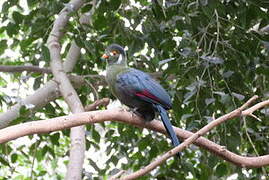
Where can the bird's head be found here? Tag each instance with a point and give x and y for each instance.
(115, 54)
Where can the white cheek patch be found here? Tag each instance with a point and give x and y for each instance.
(120, 59)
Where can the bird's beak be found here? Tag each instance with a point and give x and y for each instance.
(104, 57)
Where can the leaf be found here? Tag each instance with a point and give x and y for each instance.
(219, 93)
(188, 96)
(240, 97)
(26, 42)
(209, 101)
(45, 53)
(95, 135)
(266, 45)
(55, 138)
(12, 29)
(45, 150)
(225, 98)
(265, 111)
(209, 118)
(186, 116)
(221, 170)
(93, 164)
(143, 144)
(185, 52)
(14, 157)
(31, 3)
(213, 60)
(114, 160)
(227, 74)
(3, 161)
(3, 46)
(5, 7)
(39, 155)
(79, 42)
(204, 2)
(24, 110)
(17, 17)
(37, 82)
(166, 61)
(114, 5)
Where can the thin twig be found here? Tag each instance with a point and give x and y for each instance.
(95, 93)
(93, 106)
(117, 175)
(260, 105)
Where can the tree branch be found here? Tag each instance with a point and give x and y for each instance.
(64, 122)
(77, 136)
(6, 68)
(93, 106)
(190, 140)
(49, 91)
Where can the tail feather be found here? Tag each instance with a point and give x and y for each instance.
(168, 125)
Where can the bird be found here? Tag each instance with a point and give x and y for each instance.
(137, 89)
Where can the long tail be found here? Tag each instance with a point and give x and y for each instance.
(168, 126)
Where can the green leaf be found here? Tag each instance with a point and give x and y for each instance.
(37, 82)
(95, 135)
(143, 143)
(5, 7)
(39, 155)
(45, 54)
(31, 3)
(3, 161)
(12, 29)
(25, 43)
(18, 17)
(221, 170)
(14, 157)
(3, 46)
(24, 110)
(55, 138)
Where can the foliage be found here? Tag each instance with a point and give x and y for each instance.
(214, 51)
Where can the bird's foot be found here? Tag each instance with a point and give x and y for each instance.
(124, 109)
(135, 112)
(147, 116)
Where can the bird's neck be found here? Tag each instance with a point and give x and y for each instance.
(112, 71)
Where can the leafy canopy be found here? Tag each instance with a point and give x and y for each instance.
(215, 58)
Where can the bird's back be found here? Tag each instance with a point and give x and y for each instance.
(137, 83)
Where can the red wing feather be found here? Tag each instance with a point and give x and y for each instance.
(147, 94)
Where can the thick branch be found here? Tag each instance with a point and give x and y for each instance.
(24, 68)
(64, 122)
(77, 135)
(40, 98)
(47, 93)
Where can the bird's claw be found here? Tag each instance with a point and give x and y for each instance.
(134, 112)
(124, 109)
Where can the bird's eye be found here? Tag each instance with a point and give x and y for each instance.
(114, 53)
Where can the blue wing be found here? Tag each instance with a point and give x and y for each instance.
(133, 84)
